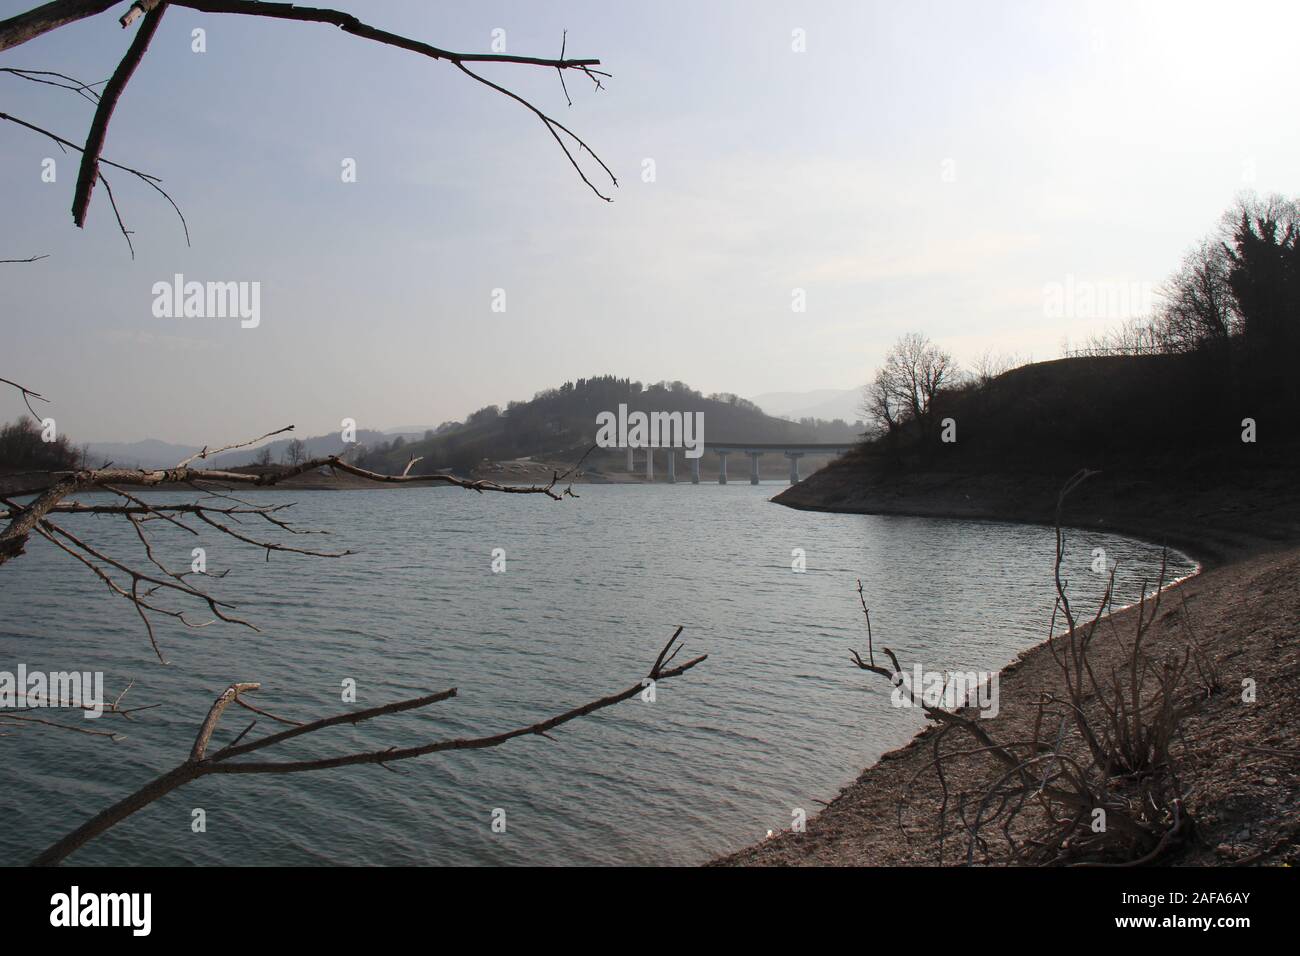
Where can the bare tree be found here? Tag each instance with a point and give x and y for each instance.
(1133, 336)
(882, 405)
(295, 453)
(904, 389)
(992, 364)
(1199, 308)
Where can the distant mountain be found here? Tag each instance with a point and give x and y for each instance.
(558, 423)
(824, 403)
(317, 447)
(410, 431)
(150, 453)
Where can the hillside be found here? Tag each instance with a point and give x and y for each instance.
(557, 426)
(316, 446)
(560, 425)
(1166, 441)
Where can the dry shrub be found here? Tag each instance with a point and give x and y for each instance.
(1096, 781)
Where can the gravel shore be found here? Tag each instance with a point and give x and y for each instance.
(1238, 759)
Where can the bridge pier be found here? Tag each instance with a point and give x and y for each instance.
(794, 457)
(672, 466)
(649, 464)
(792, 450)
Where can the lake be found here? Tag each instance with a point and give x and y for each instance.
(776, 719)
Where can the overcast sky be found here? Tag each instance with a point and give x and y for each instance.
(919, 166)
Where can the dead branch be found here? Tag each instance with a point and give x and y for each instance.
(27, 394)
(51, 78)
(19, 29)
(153, 182)
(50, 16)
(224, 761)
(23, 716)
(350, 24)
(1102, 752)
(142, 588)
(205, 453)
(555, 128)
(89, 171)
(138, 9)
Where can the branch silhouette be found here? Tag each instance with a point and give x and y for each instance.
(225, 761)
(216, 508)
(26, 26)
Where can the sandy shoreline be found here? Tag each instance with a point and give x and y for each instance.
(1245, 604)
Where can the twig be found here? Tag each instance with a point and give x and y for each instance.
(201, 763)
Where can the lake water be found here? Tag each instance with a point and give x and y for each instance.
(777, 718)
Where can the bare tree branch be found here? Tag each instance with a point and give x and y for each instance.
(138, 9)
(50, 16)
(89, 171)
(151, 181)
(144, 589)
(22, 28)
(85, 90)
(223, 761)
(555, 128)
(205, 453)
(27, 393)
(350, 24)
(22, 716)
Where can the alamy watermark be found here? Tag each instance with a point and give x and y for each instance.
(947, 689)
(75, 908)
(651, 430)
(208, 300)
(81, 690)
(1083, 299)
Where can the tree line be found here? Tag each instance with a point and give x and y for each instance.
(1238, 287)
(1232, 308)
(23, 448)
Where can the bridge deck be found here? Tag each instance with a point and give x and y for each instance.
(778, 446)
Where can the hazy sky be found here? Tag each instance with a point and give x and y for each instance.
(927, 166)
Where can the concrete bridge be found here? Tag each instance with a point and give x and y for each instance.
(755, 450)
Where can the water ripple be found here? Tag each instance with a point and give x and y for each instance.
(776, 719)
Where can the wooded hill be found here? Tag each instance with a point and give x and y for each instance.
(560, 425)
